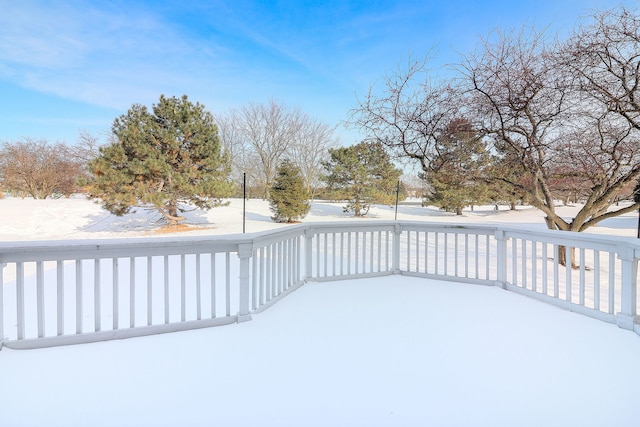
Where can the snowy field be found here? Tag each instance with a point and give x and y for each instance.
(390, 351)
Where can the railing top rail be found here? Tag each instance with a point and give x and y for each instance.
(52, 250)
(144, 246)
(569, 238)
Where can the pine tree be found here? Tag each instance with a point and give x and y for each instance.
(163, 158)
(506, 176)
(455, 172)
(361, 174)
(289, 196)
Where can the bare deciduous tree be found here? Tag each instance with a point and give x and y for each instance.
(243, 160)
(527, 99)
(310, 150)
(410, 113)
(519, 103)
(38, 169)
(85, 149)
(270, 130)
(259, 137)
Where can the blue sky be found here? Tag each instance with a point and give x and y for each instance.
(67, 66)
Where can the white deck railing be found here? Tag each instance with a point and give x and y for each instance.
(67, 292)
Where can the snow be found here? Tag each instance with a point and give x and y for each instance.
(390, 351)
(78, 218)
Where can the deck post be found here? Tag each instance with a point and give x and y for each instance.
(628, 294)
(397, 233)
(308, 253)
(245, 251)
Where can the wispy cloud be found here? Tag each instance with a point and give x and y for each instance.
(105, 56)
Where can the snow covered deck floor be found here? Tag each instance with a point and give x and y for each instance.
(389, 351)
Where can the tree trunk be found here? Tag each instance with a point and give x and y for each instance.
(170, 213)
(562, 256)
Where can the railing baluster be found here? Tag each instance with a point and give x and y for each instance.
(79, 308)
(59, 295)
(487, 255)
(40, 297)
(284, 265)
(213, 284)
(349, 252)
(523, 262)
(228, 282)
(295, 254)
(183, 289)
(318, 269)
(456, 254)
(325, 254)
(371, 246)
(446, 253)
(97, 294)
(582, 276)
(263, 274)
(439, 242)
(501, 257)
(334, 254)
(466, 254)
(149, 290)
(281, 266)
(556, 271)
(20, 299)
(357, 234)
(166, 289)
(612, 282)
(408, 266)
(426, 252)
(545, 279)
(198, 288)
(254, 280)
(514, 261)
(132, 292)
(341, 253)
(596, 280)
(116, 290)
(268, 273)
(534, 266)
(567, 269)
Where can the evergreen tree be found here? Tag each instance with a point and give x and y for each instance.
(456, 170)
(361, 174)
(289, 196)
(506, 177)
(163, 158)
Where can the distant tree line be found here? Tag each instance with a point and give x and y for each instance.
(174, 156)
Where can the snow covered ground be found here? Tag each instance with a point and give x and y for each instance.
(391, 351)
(78, 218)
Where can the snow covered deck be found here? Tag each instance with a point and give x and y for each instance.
(349, 338)
(386, 351)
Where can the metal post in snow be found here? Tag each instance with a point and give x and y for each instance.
(636, 198)
(244, 201)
